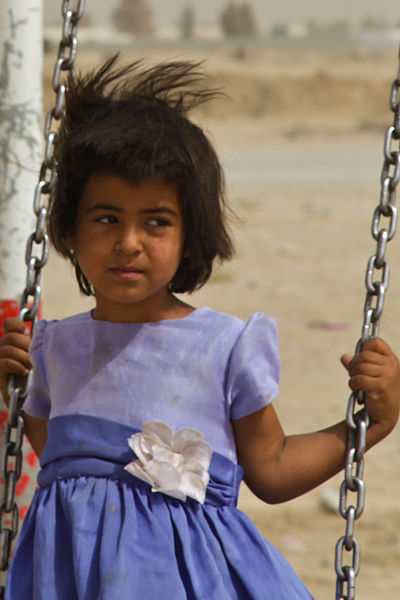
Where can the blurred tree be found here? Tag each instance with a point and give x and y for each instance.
(229, 19)
(187, 23)
(238, 20)
(371, 23)
(339, 27)
(313, 27)
(279, 30)
(133, 16)
(247, 19)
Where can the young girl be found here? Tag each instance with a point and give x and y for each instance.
(146, 411)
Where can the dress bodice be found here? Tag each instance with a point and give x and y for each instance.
(199, 371)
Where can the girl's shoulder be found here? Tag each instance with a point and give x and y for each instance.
(44, 328)
(257, 321)
(236, 332)
(210, 322)
(210, 317)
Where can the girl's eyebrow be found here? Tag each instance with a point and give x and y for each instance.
(103, 207)
(156, 209)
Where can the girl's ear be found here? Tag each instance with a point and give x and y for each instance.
(69, 242)
(185, 253)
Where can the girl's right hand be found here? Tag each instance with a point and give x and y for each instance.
(14, 356)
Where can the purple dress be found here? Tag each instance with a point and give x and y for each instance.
(94, 531)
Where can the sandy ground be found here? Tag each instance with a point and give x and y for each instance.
(301, 143)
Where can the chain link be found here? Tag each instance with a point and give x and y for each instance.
(36, 255)
(358, 422)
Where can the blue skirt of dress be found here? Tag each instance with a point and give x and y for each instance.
(95, 532)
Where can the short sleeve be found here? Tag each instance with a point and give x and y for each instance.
(254, 367)
(37, 403)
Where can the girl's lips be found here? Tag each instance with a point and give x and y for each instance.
(126, 273)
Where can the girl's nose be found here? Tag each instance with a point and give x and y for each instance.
(129, 241)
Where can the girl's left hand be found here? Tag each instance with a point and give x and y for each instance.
(376, 371)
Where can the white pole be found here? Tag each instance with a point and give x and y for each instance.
(21, 49)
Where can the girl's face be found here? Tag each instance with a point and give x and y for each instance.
(129, 242)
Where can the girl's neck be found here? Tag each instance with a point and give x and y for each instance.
(144, 312)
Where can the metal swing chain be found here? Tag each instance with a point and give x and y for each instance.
(35, 258)
(358, 421)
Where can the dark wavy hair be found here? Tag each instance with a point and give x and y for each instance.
(132, 122)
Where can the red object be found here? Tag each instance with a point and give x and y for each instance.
(3, 419)
(10, 308)
(32, 459)
(26, 484)
(21, 484)
(22, 511)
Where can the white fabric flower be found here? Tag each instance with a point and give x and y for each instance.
(175, 464)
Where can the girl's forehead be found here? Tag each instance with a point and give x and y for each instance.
(114, 189)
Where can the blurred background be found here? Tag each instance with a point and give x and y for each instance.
(214, 18)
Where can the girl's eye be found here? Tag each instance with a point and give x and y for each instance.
(107, 219)
(157, 222)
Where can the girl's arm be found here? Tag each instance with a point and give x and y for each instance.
(14, 359)
(279, 467)
(35, 429)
